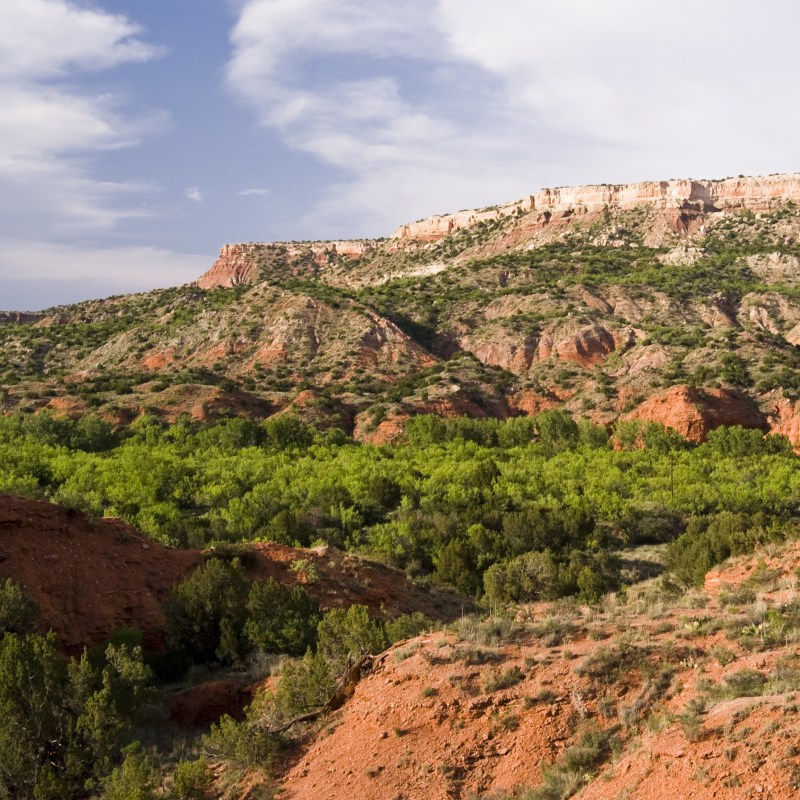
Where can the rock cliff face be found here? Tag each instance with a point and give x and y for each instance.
(680, 202)
(238, 263)
(439, 226)
(694, 412)
(234, 266)
(755, 193)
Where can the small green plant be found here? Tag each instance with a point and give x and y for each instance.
(18, 612)
(691, 721)
(723, 655)
(495, 680)
(192, 780)
(305, 570)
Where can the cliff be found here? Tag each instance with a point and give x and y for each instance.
(238, 263)
(681, 200)
(756, 193)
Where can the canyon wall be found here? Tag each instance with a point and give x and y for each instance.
(757, 193)
(237, 262)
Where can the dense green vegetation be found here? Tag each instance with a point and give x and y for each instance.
(65, 723)
(72, 729)
(521, 509)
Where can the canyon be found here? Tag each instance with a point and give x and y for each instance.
(600, 299)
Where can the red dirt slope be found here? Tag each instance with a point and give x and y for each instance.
(92, 577)
(88, 577)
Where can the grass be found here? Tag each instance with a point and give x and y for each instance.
(495, 680)
(576, 767)
(609, 663)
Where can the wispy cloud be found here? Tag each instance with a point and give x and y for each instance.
(252, 193)
(193, 193)
(49, 124)
(430, 106)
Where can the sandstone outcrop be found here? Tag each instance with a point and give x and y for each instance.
(786, 420)
(239, 263)
(694, 412)
(438, 226)
(757, 193)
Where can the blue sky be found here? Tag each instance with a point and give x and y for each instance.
(138, 136)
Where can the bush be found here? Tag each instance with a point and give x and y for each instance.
(241, 743)
(494, 680)
(610, 663)
(304, 685)
(192, 780)
(205, 614)
(18, 612)
(408, 626)
(135, 779)
(283, 619)
(532, 576)
(346, 635)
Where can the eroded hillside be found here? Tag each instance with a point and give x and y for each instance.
(598, 299)
(697, 692)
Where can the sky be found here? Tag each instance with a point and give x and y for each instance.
(139, 136)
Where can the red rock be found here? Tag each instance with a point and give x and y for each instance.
(694, 412)
(682, 197)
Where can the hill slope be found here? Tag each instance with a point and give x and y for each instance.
(619, 702)
(595, 298)
(92, 577)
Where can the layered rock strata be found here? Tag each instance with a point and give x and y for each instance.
(757, 193)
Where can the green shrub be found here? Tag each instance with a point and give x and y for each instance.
(494, 680)
(304, 685)
(408, 626)
(206, 613)
(610, 663)
(135, 779)
(346, 634)
(192, 780)
(18, 612)
(282, 619)
(242, 743)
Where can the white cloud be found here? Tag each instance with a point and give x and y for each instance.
(431, 106)
(49, 125)
(194, 194)
(88, 271)
(46, 38)
(253, 193)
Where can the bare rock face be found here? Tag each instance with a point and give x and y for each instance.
(234, 267)
(757, 193)
(504, 349)
(694, 412)
(530, 403)
(238, 263)
(771, 312)
(717, 313)
(786, 420)
(775, 267)
(591, 345)
(441, 225)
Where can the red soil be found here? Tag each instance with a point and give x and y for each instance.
(92, 577)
